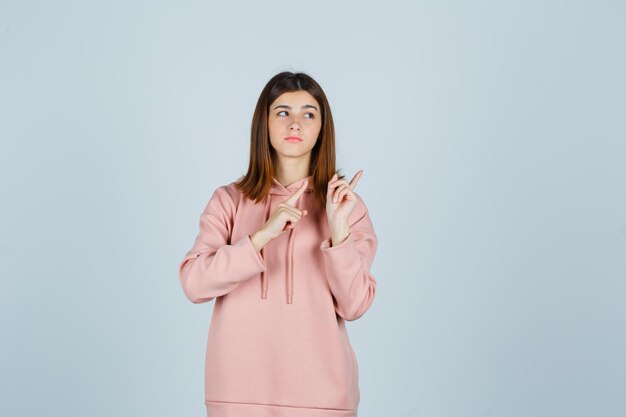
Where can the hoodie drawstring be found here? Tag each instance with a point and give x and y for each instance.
(263, 277)
(292, 234)
(290, 244)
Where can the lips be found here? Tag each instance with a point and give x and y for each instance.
(293, 139)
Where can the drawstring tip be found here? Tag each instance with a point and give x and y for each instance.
(264, 294)
(289, 299)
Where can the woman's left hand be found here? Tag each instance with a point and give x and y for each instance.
(340, 202)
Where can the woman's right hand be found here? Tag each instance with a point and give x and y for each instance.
(284, 218)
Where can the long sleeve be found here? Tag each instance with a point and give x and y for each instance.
(348, 265)
(214, 267)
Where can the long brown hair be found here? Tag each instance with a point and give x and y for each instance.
(257, 182)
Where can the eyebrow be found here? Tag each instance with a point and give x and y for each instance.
(306, 106)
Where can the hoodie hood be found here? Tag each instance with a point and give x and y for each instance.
(281, 192)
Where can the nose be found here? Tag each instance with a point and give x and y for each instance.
(294, 126)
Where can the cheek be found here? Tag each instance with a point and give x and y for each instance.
(317, 129)
(276, 125)
(274, 129)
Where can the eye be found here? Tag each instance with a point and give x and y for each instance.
(312, 116)
(284, 111)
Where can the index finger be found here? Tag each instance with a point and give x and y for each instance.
(355, 179)
(294, 197)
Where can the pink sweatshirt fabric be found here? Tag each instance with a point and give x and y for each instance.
(278, 344)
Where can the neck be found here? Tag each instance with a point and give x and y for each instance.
(289, 172)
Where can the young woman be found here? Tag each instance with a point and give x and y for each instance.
(285, 251)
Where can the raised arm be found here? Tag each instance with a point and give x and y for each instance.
(348, 265)
(214, 266)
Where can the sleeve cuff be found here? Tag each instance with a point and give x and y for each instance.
(325, 246)
(246, 242)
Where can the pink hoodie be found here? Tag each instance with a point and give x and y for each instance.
(278, 344)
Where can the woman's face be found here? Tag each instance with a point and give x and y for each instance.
(294, 115)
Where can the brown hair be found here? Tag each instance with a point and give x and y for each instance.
(257, 182)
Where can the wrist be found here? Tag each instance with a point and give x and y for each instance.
(338, 234)
(339, 228)
(259, 240)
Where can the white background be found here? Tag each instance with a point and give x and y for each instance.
(492, 139)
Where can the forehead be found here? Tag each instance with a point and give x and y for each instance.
(295, 99)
